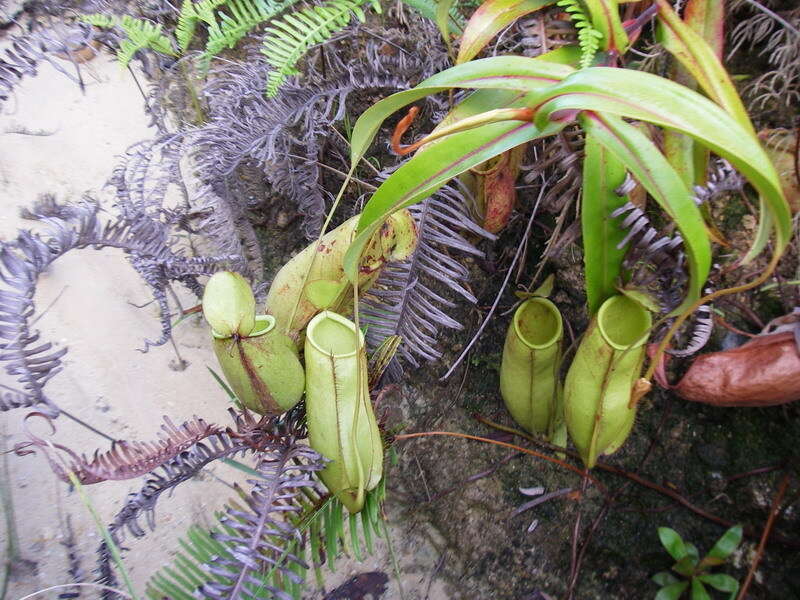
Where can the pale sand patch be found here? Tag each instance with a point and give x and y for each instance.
(106, 381)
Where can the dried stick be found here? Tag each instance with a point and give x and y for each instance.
(774, 510)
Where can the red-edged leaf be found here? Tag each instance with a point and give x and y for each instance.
(490, 19)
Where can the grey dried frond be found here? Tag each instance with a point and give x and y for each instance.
(261, 534)
(73, 560)
(125, 460)
(406, 300)
(25, 52)
(289, 136)
(536, 34)
(781, 84)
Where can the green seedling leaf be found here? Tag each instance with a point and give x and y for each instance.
(721, 583)
(685, 566)
(726, 544)
(672, 591)
(603, 173)
(491, 18)
(672, 542)
(664, 578)
(694, 553)
(699, 591)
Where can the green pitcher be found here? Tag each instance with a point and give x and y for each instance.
(260, 363)
(597, 390)
(341, 423)
(529, 370)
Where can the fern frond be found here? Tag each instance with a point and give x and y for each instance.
(588, 37)
(291, 37)
(252, 554)
(404, 300)
(226, 28)
(140, 34)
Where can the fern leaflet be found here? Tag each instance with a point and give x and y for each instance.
(588, 37)
(225, 29)
(140, 34)
(292, 36)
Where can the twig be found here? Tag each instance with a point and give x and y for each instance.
(466, 436)
(792, 543)
(774, 510)
(500, 292)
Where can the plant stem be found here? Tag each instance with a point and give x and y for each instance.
(773, 513)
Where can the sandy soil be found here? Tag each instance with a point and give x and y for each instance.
(89, 297)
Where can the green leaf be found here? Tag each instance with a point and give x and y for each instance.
(672, 591)
(602, 174)
(221, 382)
(672, 542)
(707, 19)
(726, 544)
(693, 552)
(443, 8)
(647, 97)
(516, 73)
(429, 170)
(606, 20)
(699, 591)
(685, 566)
(353, 522)
(700, 59)
(490, 19)
(722, 583)
(651, 169)
(664, 578)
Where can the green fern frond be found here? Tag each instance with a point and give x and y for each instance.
(236, 20)
(588, 37)
(289, 38)
(102, 21)
(140, 34)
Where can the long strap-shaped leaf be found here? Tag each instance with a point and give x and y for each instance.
(603, 172)
(491, 18)
(647, 97)
(700, 59)
(427, 171)
(502, 72)
(642, 158)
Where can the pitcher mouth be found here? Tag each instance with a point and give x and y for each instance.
(331, 333)
(624, 323)
(538, 323)
(264, 324)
